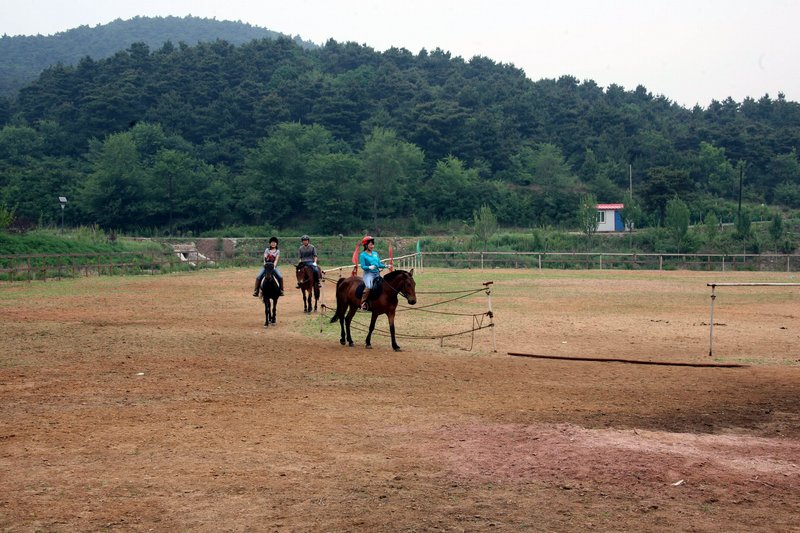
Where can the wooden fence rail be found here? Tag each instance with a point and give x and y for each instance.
(29, 267)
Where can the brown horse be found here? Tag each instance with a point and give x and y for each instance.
(307, 285)
(348, 300)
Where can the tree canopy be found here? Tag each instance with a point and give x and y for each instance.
(341, 137)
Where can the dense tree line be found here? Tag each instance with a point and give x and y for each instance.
(24, 57)
(342, 137)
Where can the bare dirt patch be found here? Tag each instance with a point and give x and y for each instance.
(160, 403)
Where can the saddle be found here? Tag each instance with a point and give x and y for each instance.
(269, 279)
(377, 289)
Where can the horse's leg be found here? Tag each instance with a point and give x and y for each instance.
(316, 297)
(274, 310)
(342, 340)
(371, 327)
(341, 307)
(390, 317)
(266, 311)
(351, 312)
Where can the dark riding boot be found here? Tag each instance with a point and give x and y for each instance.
(364, 297)
(258, 287)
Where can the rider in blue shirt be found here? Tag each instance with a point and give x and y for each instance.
(370, 263)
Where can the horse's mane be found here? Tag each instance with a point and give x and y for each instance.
(393, 274)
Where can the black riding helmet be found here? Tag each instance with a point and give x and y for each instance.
(275, 240)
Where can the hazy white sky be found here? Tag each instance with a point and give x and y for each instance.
(691, 51)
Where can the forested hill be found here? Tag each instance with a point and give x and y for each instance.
(23, 58)
(343, 137)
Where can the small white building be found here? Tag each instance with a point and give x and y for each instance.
(610, 217)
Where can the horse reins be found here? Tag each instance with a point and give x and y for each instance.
(401, 293)
(306, 278)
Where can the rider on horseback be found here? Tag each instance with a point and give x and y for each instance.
(370, 263)
(308, 255)
(271, 255)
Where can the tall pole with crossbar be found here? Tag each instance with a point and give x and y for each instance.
(488, 285)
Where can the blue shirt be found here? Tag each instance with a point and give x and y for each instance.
(365, 259)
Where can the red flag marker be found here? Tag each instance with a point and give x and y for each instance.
(355, 261)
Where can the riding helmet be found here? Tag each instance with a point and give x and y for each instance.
(366, 239)
(274, 239)
(304, 238)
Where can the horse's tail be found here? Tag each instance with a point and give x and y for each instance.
(339, 313)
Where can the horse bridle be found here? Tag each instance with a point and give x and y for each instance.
(269, 274)
(306, 279)
(401, 293)
(269, 271)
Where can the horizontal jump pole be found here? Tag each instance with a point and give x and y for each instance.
(752, 284)
(628, 361)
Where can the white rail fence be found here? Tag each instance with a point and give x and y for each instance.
(614, 261)
(27, 267)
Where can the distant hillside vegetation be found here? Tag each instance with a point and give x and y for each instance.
(338, 138)
(23, 58)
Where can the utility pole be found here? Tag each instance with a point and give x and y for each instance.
(630, 180)
(739, 222)
(741, 176)
(63, 201)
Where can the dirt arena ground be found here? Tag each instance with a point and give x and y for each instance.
(159, 403)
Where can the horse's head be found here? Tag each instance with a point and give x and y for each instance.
(269, 268)
(403, 282)
(304, 273)
(410, 289)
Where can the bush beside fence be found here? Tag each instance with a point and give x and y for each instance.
(47, 266)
